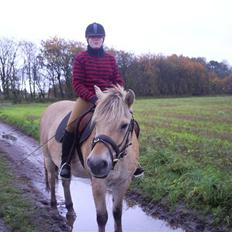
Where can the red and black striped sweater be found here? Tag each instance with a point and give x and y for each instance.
(94, 70)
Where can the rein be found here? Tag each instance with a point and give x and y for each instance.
(120, 149)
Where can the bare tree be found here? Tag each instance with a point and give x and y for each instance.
(58, 55)
(31, 67)
(51, 52)
(40, 78)
(8, 68)
(69, 50)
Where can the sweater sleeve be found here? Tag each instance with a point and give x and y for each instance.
(117, 76)
(78, 81)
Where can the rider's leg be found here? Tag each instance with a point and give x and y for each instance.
(79, 108)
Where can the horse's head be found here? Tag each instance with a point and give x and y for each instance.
(114, 125)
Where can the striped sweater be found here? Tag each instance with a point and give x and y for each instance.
(94, 70)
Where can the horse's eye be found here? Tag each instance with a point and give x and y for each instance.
(124, 126)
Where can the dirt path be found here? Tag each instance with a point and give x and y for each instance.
(29, 179)
(3, 227)
(28, 167)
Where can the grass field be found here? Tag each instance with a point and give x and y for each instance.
(186, 150)
(15, 209)
(23, 116)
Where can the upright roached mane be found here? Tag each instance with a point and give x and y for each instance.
(111, 105)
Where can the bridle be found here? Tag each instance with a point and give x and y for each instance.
(120, 149)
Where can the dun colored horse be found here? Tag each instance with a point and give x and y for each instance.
(110, 153)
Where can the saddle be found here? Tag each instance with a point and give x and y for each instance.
(82, 126)
(83, 129)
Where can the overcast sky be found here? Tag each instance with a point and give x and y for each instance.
(193, 28)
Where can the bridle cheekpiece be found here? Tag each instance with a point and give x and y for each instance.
(120, 149)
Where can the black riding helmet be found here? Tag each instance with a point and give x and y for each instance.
(95, 29)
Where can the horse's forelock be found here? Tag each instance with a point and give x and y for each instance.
(111, 106)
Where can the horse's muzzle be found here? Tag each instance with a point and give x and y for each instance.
(99, 168)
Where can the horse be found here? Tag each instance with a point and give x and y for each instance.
(110, 153)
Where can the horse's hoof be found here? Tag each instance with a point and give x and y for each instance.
(71, 213)
(71, 217)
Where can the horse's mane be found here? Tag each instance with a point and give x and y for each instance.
(111, 106)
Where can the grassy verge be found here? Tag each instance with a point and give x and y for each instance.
(186, 147)
(14, 208)
(23, 116)
(21, 207)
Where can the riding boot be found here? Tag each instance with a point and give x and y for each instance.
(139, 171)
(67, 151)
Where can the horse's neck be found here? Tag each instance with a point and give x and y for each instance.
(86, 146)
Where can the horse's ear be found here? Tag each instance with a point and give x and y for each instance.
(98, 91)
(130, 97)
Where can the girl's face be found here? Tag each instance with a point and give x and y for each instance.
(95, 42)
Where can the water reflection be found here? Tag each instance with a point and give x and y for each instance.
(134, 219)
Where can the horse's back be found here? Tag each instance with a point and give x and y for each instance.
(52, 117)
(49, 122)
(57, 110)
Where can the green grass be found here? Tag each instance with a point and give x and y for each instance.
(186, 147)
(14, 209)
(24, 116)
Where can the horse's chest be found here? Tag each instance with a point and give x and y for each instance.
(116, 178)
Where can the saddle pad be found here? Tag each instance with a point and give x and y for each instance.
(61, 128)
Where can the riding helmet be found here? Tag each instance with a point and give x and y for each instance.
(95, 29)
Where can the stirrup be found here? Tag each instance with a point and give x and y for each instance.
(65, 171)
(139, 172)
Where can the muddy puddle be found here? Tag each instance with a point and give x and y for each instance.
(134, 218)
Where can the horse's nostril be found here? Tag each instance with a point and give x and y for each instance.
(88, 161)
(100, 164)
(97, 166)
(104, 164)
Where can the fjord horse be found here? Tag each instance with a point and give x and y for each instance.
(110, 153)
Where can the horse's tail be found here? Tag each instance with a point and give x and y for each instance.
(46, 179)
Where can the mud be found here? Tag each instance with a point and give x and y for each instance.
(30, 181)
(3, 227)
(26, 160)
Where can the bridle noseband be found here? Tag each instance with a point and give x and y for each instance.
(120, 150)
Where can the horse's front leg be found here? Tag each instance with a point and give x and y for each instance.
(67, 195)
(99, 194)
(118, 194)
